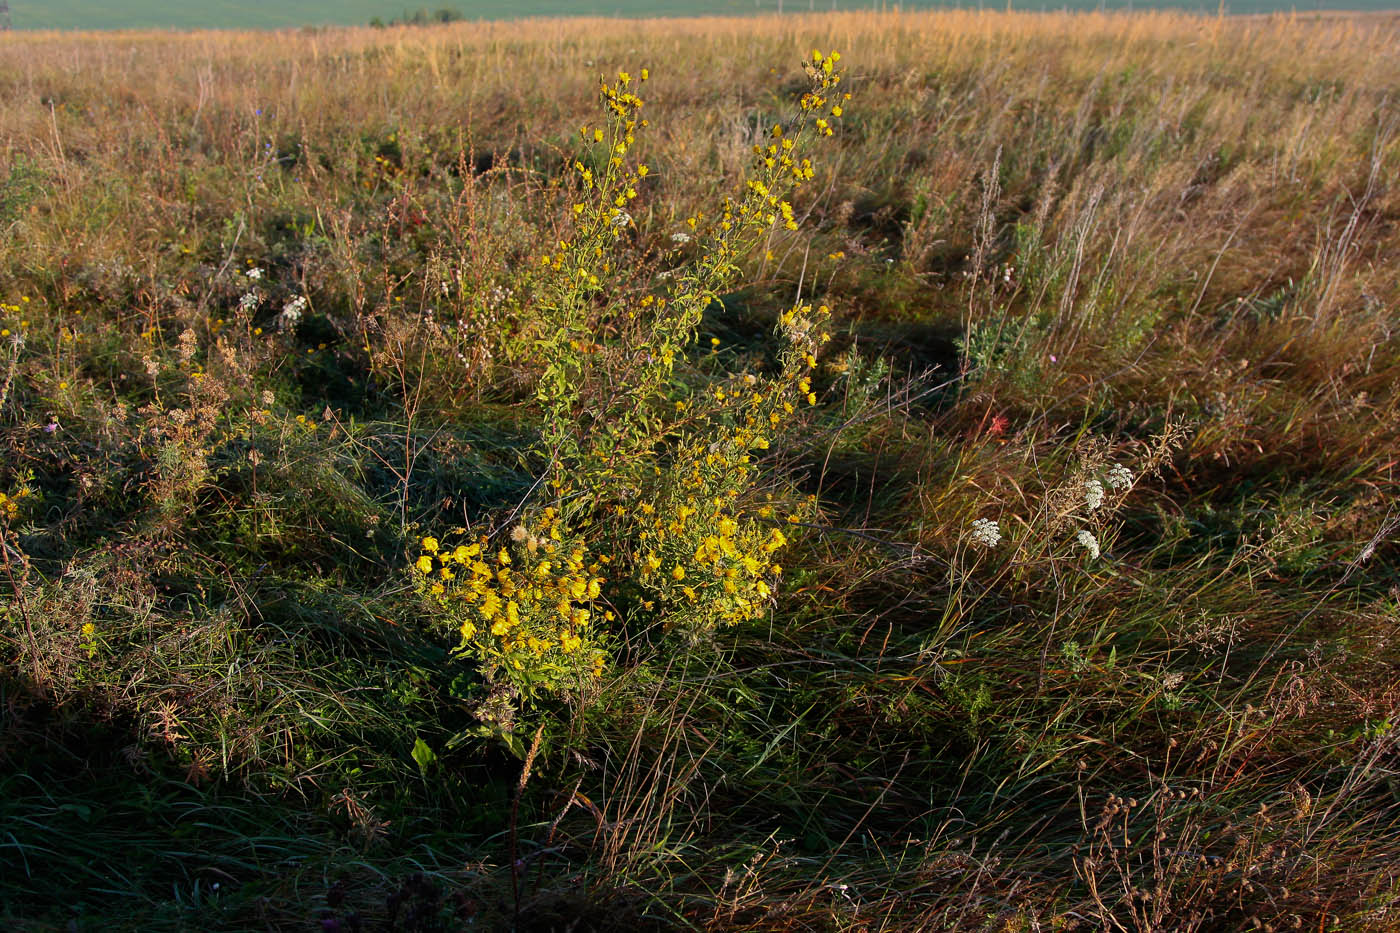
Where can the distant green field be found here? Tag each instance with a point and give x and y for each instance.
(273, 14)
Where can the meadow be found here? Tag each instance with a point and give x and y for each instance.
(650, 474)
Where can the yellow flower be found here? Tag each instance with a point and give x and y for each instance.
(425, 564)
(678, 572)
(430, 545)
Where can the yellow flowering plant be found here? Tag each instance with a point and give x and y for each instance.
(662, 480)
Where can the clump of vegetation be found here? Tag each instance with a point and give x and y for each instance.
(641, 462)
(439, 496)
(422, 17)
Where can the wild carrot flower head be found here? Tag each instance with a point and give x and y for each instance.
(292, 311)
(1093, 494)
(985, 533)
(1119, 476)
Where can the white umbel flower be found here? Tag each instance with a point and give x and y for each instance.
(1119, 476)
(1093, 494)
(1090, 543)
(254, 273)
(985, 532)
(292, 311)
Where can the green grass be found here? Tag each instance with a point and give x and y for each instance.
(266, 14)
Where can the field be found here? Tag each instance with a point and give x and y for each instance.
(292, 14)
(439, 494)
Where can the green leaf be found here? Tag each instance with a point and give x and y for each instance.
(423, 755)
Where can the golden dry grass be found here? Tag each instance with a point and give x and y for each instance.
(1066, 241)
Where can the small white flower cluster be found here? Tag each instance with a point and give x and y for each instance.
(1119, 476)
(985, 532)
(1090, 543)
(292, 311)
(248, 302)
(254, 273)
(498, 296)
(680, 238)
(1093, 494)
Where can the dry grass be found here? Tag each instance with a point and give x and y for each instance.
(1064, 241)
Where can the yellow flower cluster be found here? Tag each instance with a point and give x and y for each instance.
(707, 544)
(10, 502)
(709, 560)
(527, 610)
(822, 70)
(619, 182)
